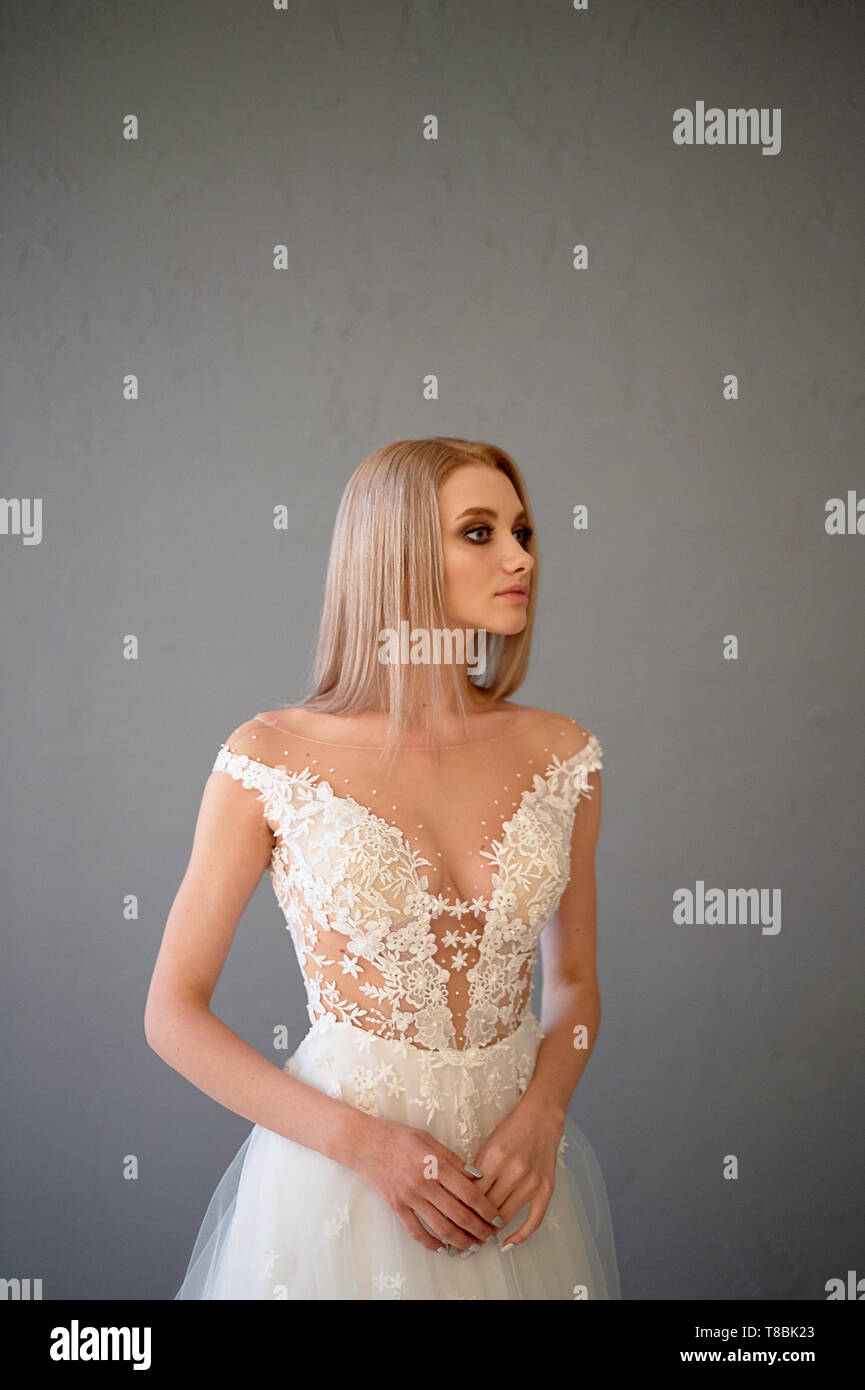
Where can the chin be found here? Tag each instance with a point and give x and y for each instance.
(498, 623)
(505, 625)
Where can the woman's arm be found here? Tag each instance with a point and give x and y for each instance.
(231, 849)
(570, 998)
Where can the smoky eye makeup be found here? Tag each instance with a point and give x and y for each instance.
(469, 533)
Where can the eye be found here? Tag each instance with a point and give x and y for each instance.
(524, 532)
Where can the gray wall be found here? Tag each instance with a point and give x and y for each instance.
(261, 388)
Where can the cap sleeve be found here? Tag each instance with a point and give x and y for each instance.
(579, 754)
(237, 757)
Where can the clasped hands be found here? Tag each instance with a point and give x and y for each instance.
(447, 1205)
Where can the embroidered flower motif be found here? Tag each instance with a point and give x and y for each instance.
(434, 1026)
(507, 903)
(431, 1097)
(494, 1084)
(351, 966)
(402, 1022)
(483, 1023)
(363, 1081)
(386, 1076)
(392, 1284)
(525, 1068)
(336, 1224)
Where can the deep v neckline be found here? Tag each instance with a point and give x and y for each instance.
(457, 907)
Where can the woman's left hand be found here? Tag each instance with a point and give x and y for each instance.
(518, 1164)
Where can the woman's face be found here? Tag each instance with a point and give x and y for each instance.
(487, 570)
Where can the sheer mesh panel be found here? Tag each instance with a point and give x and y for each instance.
(415, 899)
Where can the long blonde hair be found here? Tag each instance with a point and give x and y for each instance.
(386, 565)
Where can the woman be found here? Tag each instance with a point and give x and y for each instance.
(420, 831)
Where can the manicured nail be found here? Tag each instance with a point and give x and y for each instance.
(497, 1221)
(509, 1246)
(474, 1172)
(471, 1250)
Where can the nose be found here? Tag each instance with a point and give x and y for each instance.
(520, 559)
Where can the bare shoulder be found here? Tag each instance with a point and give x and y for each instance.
(562, 734)
(521, 716)
(295, 719)
(302, 721)
(558, 720)
(551, 717)
(245, 737)
(539, 723)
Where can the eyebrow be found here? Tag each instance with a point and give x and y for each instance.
(488, 511)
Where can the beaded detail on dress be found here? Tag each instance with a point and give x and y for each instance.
(377, 947)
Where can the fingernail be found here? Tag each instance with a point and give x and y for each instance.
(474, 1172)
(442, 1250)
(497, 1221)
(471, 1250)
(509, 1246)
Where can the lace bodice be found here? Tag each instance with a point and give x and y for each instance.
(415, 901)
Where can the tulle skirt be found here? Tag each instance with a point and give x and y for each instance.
(285, 1222)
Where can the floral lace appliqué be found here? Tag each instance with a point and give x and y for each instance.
(366, 929)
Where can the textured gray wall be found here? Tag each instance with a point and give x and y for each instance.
(261, 388)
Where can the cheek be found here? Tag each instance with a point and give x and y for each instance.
(463, 566)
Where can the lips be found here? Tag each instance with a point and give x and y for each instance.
(515, 590)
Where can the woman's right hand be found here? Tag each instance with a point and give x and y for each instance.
(420, 1177)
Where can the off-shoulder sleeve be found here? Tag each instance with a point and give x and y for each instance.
(271, 784)
(571, 768)
(591, 755)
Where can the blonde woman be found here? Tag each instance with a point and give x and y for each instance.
(423, 834)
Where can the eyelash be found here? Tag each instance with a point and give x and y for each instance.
(526, 531)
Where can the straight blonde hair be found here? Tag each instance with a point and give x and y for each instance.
(386, 565)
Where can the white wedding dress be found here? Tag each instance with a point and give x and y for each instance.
(415, 901)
